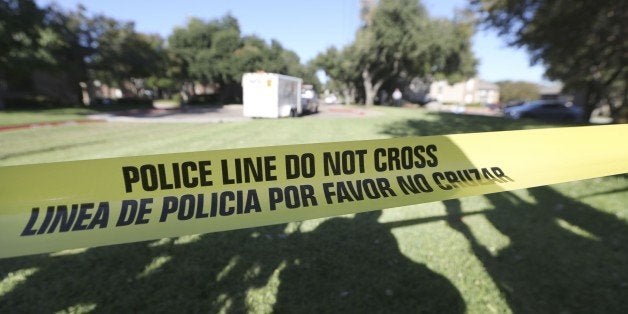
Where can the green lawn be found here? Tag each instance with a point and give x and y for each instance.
(16, 117)
(554, 249)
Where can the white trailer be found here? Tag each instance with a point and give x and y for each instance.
(270, 95)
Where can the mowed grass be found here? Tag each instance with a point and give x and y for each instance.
(17, 117)
(558, 248)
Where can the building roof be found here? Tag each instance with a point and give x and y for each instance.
(553, 89)
(486, 85)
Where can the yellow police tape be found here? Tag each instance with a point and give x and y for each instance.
(55, 206)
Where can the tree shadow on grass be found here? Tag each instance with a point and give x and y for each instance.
(345, 264)
(354, 265)
(564, 256)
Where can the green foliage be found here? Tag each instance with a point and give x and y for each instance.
(123, 53)
(77, 48)
(216, 52)
(342, 68)
(582, 43)
(517, 90)
(69, 47)
(20, 24)
(398, 42)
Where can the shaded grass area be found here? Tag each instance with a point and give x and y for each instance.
(42, 115)
(17, 117)
(549, 249)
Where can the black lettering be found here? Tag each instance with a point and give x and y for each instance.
(253, 169)
(307, 195)
(384, 187)
(370, 189)
(163, 178)
(292, 167)
(186, 168)
(419, 150)
(176, 172)
(393, 159)
(292, 197)
(431, 152)
(224, 198)
(275, 196)
(451, 177)
(437, 176)
(131, 175)
(308, 165)
(252, 202)
(128, 212)
(328, 192)
(28, 229)
(200, 200)
(49, 214)
(499, 173)
(169, 206)
(407, 157)
(149, 172)
(186, 207)
(225, 173)
(379, 155)
(331, 163)
(62, 219)
(270, 167)
(204, 172)
(356, 191)
(101, 218)
(82, 216)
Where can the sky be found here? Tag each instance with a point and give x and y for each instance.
(306, 27)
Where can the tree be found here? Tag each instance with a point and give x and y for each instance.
(399, 41)
(216, 52)
(20, 23)
(582, 43)
(343, 70)
(517, 90)
(124, 58)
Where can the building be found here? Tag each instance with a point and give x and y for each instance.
(471, 91)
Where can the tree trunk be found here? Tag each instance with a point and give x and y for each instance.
(369, 94)
(349, 95)
(591, 101)
(370, 88)
(3, 84)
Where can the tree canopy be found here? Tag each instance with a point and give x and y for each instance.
(67, 48)
(582, 43)
(517, 90)
(216, 52)
(398, 42)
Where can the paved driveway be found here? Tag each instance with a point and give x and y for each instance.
(218, 114)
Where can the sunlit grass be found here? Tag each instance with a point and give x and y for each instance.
(543, 250)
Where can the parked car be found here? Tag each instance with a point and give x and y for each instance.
(309, 99)
(331, 99)
(545, 110)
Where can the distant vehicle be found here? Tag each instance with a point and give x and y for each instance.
(545, 110)
(331, 99)
(270, 95)
(514, 103)
(309, 99)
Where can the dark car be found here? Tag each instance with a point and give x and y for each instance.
(545, 110)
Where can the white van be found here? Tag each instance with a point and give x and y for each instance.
(270, 95)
